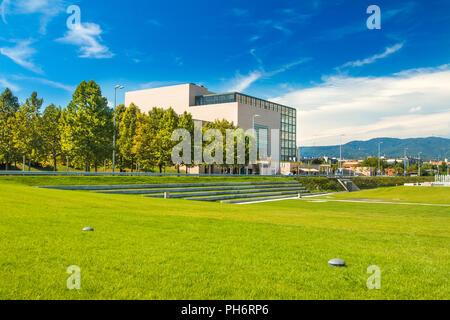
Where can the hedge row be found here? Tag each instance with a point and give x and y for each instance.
(320, 184)
(316, 184)
(380, 182)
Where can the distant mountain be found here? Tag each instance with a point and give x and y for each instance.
(431, 148)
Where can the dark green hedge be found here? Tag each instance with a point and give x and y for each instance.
(316, 184)
(320, 184)
(379, 182)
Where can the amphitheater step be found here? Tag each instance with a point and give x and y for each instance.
(228, 192)
(244, 196)
(175, 185)
(195, 189)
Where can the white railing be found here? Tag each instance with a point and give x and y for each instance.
(442, 178)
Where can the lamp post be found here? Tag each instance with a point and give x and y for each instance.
(114, 136)
(379, 158)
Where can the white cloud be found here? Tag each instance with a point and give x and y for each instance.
(388, 51)
(415, 109)
(4, 83)
(88, 37)
(368, 107)
(47, 82)
(47, 9)
(22, 54)
(242, 82)
(3, 9)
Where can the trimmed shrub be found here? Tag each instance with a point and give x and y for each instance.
(380, 182)
(320, 184)
(316, 184)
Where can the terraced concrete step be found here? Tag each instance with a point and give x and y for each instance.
(195, 189)
(239, 201)
(175, 185)
(219, 193)
(244, 196)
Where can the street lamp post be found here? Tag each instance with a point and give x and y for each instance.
(114, 135)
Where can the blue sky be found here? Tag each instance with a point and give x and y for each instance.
(318, 56)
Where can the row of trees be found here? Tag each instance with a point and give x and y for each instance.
(82, 133)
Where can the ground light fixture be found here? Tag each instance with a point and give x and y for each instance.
(336, 263)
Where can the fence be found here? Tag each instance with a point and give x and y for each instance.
(442, 178)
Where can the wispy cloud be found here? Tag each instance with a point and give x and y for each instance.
(3, 8)
(254, 38)
(239, 12)
(179, 61)
(339, 32)
(5, 83)
(157, 84)
(242, 82)
(88, 37)
(47, 9)
(369, 107)
(388, 51)
(22, 54)
(282, 28)
(46, 82)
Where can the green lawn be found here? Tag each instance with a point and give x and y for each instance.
(432, 195)
(145, 248)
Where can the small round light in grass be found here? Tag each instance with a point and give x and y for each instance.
(337, 263)
(88, 229)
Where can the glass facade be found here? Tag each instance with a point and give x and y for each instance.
(215, 99)
(288, 132)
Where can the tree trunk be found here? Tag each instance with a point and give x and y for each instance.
(160, 168)
(54, 164)
(29, 163)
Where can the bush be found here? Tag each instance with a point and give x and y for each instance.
(380, 182)
(319, 184)
(316, 184)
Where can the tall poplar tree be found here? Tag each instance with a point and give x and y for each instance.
(87, 126)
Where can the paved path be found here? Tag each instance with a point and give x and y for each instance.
(382, 202)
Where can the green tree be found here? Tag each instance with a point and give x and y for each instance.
(8, 107)
(87, 126)
(51, 133)
(162, 144)
(127, 131)
(186, 122)
(146, 130)
(27, 136)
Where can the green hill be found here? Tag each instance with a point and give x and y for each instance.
(431, 148)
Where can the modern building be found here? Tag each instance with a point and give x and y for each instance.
(243, 110)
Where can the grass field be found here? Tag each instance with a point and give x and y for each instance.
(145, 248)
